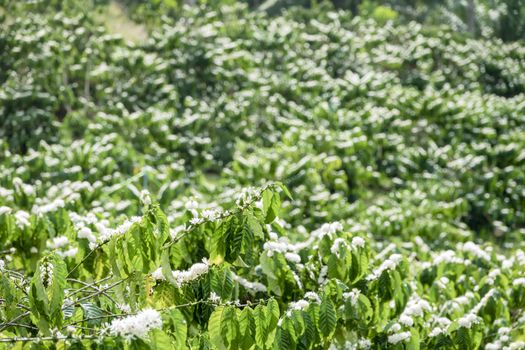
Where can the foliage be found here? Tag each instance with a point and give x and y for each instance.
(311, 180)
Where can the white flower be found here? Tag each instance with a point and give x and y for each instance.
(85, 232)
(468, 320)
(322, 275)
(252, 286)
(2, 265)
(50, 207)
(474, 249)
(312, 296)
(358, 242)
(398, 337)
(517, 345)
(191, 205)
(293, 257)
(447, 256)
(107, 234)
(70, 253)
(136, 326)
(504, 330)
(416, 306)
(46, 273)
(211, 214)
(58, 242)
(145, 197)
(196, 221)
(5, 210)
(299, 305)
(436, 331)
(396, 327)
(22, 218)
(406, 320)
(328, 229)
(389, 264)
(519, 282)
(364, 343)
(352, 295)
(214, 298)
(184, 276)
(272, 247)
(124, 308)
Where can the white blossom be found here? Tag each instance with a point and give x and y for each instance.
(364, 343)
(5, 210)
(145, 197)
(214, 298)
(252, 286)
(107, 234)
(328, 229)
(136, 326)
(293, 257)
(519, 282)
(58, 242)
(124, 308)
(22, 218)
(70, 253)
(398, 337)
(312, 296)
(436, 331)
(468, 320)
(389, 264)
(85, 232)
(184, 276)
(299, 305)
(49, 207)
(353, 295)
(406, 320)
(475, 250)
(358, 242)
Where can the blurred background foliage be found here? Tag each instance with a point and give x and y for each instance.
(504, 19)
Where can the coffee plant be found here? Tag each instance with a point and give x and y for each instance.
(309, 180)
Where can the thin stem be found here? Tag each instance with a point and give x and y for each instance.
(100, 291)
(34, 339)
(92, 286)
(83, 260)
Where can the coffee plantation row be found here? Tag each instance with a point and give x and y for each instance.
(311, 180)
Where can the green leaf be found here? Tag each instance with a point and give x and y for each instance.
(92, 311)
(46, 294)
(166, 267)
(327, 318)
(261, 330)
(245, 328)
(271, 205)
(177, 327)
(159, 340)
(254, 226)
(285, 190)
(215, 327)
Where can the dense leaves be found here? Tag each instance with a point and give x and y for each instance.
(304, 181)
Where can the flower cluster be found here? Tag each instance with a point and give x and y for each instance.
(107, 233)
(46, 273)
(389, 264)
(184, 276)
(136, 326)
